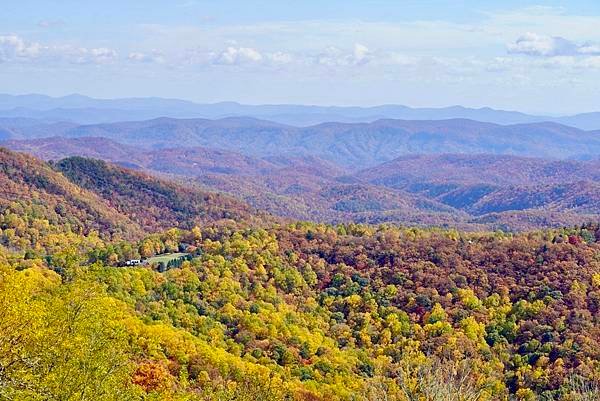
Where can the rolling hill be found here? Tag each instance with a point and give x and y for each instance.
(325, 312)
(30, 185)
(152, 202)
(83, 195)
(467, 191)
(354, 146)
(447, 169)
(189, 161)
(296, 187)
(483, 184)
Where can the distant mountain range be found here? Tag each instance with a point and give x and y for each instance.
(472, 191)
(454, 172)
(355, 146)
(85, 110)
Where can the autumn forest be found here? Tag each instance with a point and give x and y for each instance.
(309, 200)
(263, 308)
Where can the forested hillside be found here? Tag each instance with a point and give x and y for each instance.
(265, 310)
(34, 195)
(84, 196)
(153, 203)
(354, 146)
(467, 191)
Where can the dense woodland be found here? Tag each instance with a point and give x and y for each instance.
(466, 191)
(267, 309)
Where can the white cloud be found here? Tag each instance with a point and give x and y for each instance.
(351, 44)
(403, 60)
(533, 44)
(83, 55)
(152, 57)
(335, 57)
(280, 58)
(237, 56)
(591, 63)
(350, 60)
(539, 45)
(13, 47)
(589, 49)
(361, 54)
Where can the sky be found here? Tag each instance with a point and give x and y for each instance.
(538, 57)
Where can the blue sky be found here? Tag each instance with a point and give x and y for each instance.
(536, 57)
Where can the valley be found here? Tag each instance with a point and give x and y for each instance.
(266, 200)
(230, 302)
(469, 190)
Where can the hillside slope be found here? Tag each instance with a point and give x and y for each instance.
(481, 184)
(32, 188)
(83, 195)
(299, 187)
(471, 169)
(355, 146)
(298, 311)
(309, 312)
(154, 203)
(459, 190)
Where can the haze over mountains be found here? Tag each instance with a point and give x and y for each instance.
(454, 172)
(460, 190)
(85, 110)
(356, 146)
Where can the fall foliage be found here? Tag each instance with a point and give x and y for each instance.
(286, 311)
